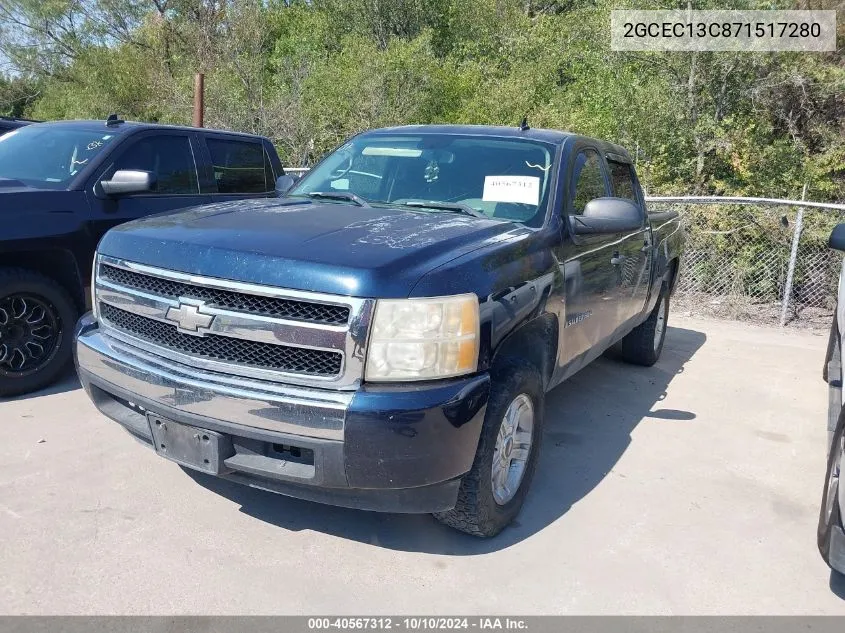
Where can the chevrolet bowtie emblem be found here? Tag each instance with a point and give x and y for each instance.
(188, 318)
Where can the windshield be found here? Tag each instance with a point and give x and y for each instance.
(48, 156)
(499, 178)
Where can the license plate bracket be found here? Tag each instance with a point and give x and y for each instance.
(190, 446)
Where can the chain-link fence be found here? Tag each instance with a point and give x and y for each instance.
(737, 263)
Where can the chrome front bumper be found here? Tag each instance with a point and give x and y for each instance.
(382, 448)
(118, 367)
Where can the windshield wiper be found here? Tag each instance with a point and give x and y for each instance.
(339, 195)
(457, 207)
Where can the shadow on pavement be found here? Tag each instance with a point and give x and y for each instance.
(68, 382)
(589, 420)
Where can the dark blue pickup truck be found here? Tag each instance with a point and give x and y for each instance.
(382, 336)
(63, 185)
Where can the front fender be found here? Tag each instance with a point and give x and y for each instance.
(513, 281)
(534, 341)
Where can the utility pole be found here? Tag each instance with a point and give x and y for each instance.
(199, 99)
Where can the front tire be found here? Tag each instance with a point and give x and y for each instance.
(831, 538)
(493, 491)
(36, 324)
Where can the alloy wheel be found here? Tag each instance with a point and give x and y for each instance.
(29, 333)
(513, 447)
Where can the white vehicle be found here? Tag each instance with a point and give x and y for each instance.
(831, 535)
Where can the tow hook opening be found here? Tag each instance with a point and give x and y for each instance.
(293, 453)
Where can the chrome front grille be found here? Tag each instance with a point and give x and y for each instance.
(235, 328)
(227, 299)
(297, 360)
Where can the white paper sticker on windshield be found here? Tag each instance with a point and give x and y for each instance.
(524, 189)
(391, 151)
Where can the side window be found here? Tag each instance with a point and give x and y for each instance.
(588, 180)
(622, 179)
(238, 166)
(169, 157)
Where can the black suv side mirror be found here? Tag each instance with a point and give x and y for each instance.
(125, 181)
(607, 215)
(837, 237)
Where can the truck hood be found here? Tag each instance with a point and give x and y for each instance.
(325, 247)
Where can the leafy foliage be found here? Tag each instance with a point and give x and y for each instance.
(310, 73)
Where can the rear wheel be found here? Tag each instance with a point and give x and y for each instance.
(643, 344)
(493, 491)
(36, 321)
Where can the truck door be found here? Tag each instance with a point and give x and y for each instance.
(170, 156)
(635, 256)
(590, 274)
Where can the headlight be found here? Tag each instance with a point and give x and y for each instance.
(422, 339)
(93, 287)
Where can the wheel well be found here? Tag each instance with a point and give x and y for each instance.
(534, 342)
(58, 265)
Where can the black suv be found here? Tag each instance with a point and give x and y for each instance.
(7, 124)
(63, 185)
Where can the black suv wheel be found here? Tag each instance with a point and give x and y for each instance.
(36, 324)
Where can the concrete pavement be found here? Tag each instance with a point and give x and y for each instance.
(688, 488)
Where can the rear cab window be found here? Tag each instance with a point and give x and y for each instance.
(240, 166)
(622, 180)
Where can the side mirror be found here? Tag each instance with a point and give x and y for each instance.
(127, 181)
(837, 237)
(607, 215)
(283, 184)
